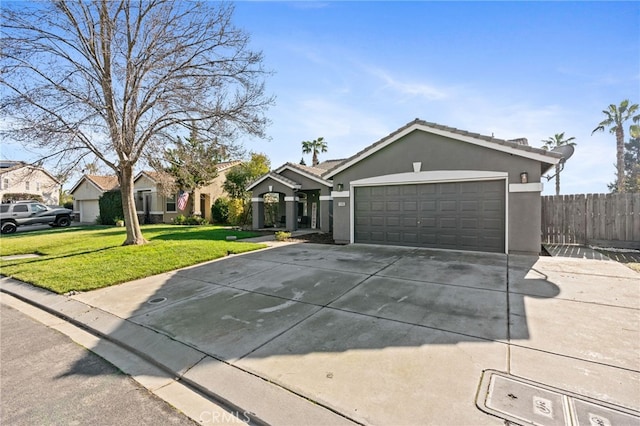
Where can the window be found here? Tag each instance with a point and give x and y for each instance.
(4, 208)
(6, 183)
(38, 208)
(20, 208)
(26, 186)
(38, 186)
(171, 203)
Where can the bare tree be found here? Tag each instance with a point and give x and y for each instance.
(120, 78)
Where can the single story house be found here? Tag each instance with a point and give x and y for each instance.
(18, 177)
(86, 193)
(152, 205)
(155, 207)
(304, 196)
(428, 185)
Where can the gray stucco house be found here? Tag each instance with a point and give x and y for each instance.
(428, 185)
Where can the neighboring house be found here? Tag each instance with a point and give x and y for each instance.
(304, 196)
(86, 193)
(17, 177)
(428, 185)
(155, 207)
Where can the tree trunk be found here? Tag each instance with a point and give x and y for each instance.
(314, 161)
(620, 158)
(134, 234)
(557, 179)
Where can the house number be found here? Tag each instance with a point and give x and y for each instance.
(542, 406)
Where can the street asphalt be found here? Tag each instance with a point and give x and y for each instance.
(319, 334)
(49, 380)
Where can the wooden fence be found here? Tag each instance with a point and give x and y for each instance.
(608, 220)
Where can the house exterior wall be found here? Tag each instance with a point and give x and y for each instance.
(39, 182)
(85, 202)
(440, 153)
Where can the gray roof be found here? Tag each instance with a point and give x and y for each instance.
(520, 144)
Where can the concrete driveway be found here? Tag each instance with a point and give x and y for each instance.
(389, 335)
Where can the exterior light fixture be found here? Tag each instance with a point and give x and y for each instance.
(524, 177)
(270, 188)
(340, 187)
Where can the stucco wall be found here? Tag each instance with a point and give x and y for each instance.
(439, 153)
(86, 191)
(16, 180)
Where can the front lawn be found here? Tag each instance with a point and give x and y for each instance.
(88, 258)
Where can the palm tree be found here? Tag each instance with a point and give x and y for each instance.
(315, 146)
(616, 117)
(554, 142)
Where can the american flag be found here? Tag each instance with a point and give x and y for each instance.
(183, 197)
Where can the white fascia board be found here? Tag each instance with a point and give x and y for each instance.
(491, 145)
(274, 177)
(257, 200)
(526, 187)
(430, 177)
(305, 174)
(291, 199)
(326, 198)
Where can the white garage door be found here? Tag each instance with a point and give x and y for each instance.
(89, 211)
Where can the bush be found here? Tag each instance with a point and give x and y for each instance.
(282, 235)
(68, 205)
(236, 212)
(220, 210)
(12, 197)
(110, 207)
(191, 220)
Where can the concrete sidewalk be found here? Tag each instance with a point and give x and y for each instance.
(318, 334)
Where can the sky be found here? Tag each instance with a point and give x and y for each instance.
(353, 72)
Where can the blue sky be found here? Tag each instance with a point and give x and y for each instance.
(353, 72)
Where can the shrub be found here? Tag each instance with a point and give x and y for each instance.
(12, 197)
(191, 220)
(236, 212)
(110, 207)
(220, 210)
(68, 205)
(282, 235)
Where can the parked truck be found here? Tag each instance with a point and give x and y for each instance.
(32, 213)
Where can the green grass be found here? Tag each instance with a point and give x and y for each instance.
(88, 258)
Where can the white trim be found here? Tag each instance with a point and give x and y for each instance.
(526, 187)
(463, 138)
(506, 216)
(340, 194)
(72, 190)
(438, 176)
(156, 212)
(257, 200)
(430, 177)
(291, 199)
(326, 198)
(304, 174)
(152, 190)
(274, 177)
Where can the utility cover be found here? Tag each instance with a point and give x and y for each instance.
(526, 402)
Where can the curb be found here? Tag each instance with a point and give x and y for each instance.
(234, 389)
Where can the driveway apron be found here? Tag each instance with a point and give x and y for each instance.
(393, 335)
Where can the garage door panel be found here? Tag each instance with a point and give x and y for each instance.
(455, 215)
(393, 206)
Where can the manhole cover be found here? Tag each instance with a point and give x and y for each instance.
(157, 300)
(526, 402)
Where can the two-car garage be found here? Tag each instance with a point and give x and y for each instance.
(428, 185)
(464, 215)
